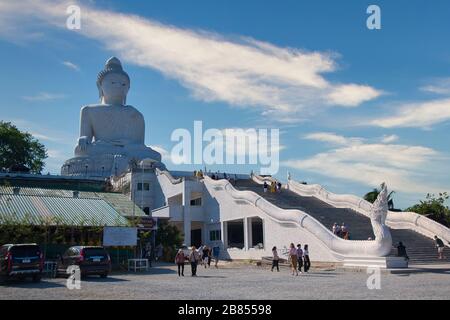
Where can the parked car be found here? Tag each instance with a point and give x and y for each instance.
(21, 261)
(91, 260)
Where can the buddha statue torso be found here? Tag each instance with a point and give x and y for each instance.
(107, 124)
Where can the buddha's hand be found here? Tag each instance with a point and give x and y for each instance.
(82, 143)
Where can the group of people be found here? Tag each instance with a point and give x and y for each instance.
(341, 231)
(274, 187)
(297, 257)
(203, 255)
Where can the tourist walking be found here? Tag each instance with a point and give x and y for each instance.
(216, 252)
(179, 260)
(279, 186)
(299, 257)
(205, 255)
(344, 231)
(272, 187)
(159, 252)
(335, 228)
(293, 259)
(275, 259)
(401, 251)
(440, 247)
(193, 259)
(209, 257)
(306, 258)
(265, 187)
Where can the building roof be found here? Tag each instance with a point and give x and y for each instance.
(36, 205)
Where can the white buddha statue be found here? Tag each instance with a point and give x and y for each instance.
(112, 133)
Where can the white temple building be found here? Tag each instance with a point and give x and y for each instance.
(235, 213)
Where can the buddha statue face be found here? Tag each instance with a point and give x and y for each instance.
(114, 89)
(113, 83)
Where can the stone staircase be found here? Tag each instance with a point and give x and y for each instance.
(420, 249)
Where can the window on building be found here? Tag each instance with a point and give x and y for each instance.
(215, 235)
(143, 186)
(196, 202)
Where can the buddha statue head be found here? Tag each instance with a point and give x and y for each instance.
(113, 83)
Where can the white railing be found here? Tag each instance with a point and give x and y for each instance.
(169, 176)
(260, 179)
(396, 220)
(340, 248)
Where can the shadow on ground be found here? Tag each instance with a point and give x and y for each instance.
(17, 283)
(421, 270)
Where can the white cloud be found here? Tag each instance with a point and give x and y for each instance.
(242, 72)
(416, 115)
(404, 168)
(439, 86)
(389, 138)
(44, 137)
(332, 138)
(44, 96)
(351, 95)
(71, 65)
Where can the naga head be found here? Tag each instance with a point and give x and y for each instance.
(378, 213)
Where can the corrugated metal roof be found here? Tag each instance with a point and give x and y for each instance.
(118, 201)
(57, 209)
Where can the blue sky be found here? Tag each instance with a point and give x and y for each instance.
(355, 107)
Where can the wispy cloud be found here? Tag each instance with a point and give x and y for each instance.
(332, 138)
(44, 96)
(43, 133)
(438, 86)
(416, 115)
(402, 167)
(240, 71)
(389, 138)
(71, 65)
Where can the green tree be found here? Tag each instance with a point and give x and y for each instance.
(434, 208)
(170, 237)
(19, 148)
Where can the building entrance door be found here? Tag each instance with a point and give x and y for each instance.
(196, 237)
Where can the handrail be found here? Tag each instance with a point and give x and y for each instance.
(260, 179)
(412, 220)
(340, 248)
(169, 176)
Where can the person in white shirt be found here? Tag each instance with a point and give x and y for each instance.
(335, 228)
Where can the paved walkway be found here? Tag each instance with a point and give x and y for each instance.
(241, 282)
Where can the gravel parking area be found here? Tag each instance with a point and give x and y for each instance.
(239, 282)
